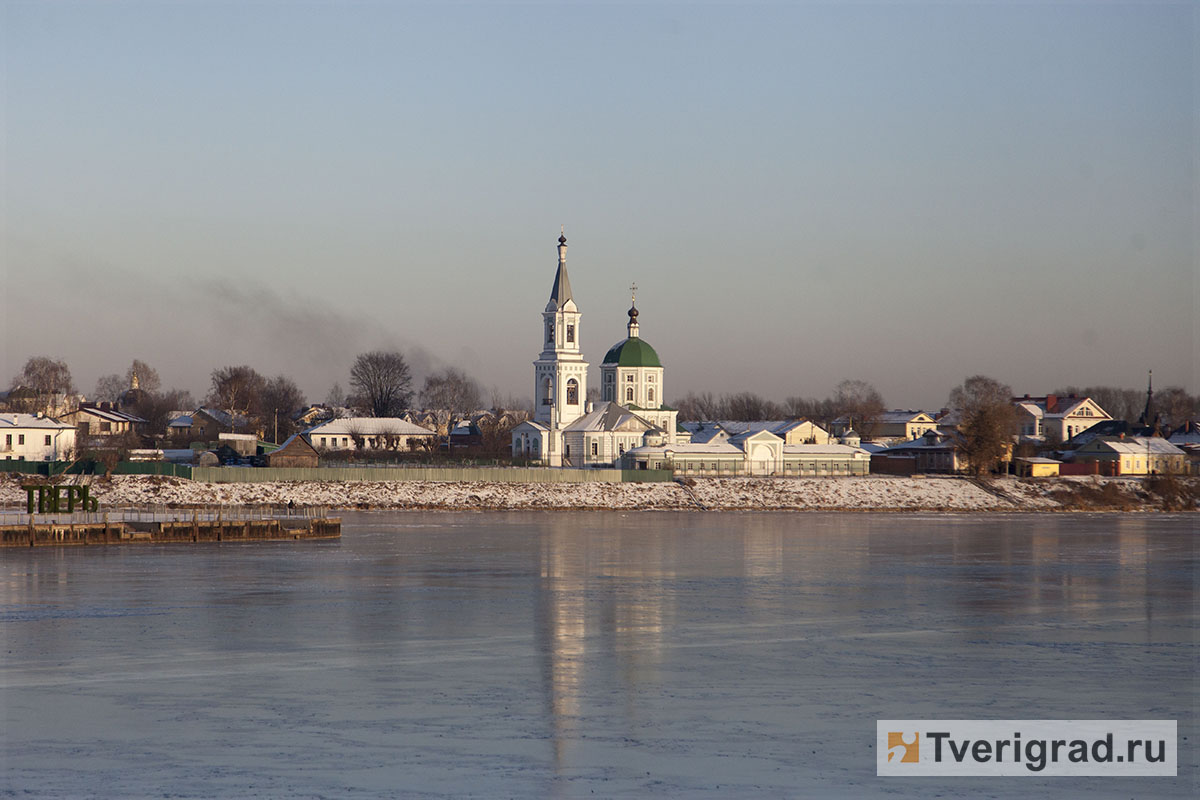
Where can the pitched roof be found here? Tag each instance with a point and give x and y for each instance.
(610, 416)
(15, 421)
(368, 426)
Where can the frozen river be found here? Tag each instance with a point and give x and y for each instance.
(587, 654)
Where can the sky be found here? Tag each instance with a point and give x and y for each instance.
(903, 193)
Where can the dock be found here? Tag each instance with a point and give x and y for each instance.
(37, 533)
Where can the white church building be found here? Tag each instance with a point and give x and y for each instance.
(566, 430)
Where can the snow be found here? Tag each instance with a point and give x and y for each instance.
(872, 493)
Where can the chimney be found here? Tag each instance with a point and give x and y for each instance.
(1051, 401)
(588, 407)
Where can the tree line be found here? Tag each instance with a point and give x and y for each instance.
(381, 384)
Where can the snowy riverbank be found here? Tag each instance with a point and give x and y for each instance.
(872, 493)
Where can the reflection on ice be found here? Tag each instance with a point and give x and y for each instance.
(571, 654)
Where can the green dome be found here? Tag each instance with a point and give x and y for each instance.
(632, 353)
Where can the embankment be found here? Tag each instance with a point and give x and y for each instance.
(872, 493)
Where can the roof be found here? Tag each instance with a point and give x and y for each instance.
(1135, 446)
(108, 414)
(15, 421)
(633, 352)
(368, 426)
(610, 417)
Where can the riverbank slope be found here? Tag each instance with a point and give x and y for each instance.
(871, 493)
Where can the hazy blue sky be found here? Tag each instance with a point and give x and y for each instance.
(904, 193)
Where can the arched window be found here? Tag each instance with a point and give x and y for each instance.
(650, 395)
(572, 392)
(547, 392)
(629, 395)
(549, 332)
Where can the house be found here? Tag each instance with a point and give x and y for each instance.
(1059, 418)
(466, 434)
(313, 414)
(295, 452)
(105, 419)
(1133, 455)
(369, 433)
(896, 424)
(35, 437)
(205, 424)
(751, 453)
(936, 450)
(793, 431)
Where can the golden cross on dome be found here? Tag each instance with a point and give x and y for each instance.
(633, 292)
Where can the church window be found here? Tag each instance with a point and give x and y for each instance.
(567, 450)
(650, 395)
(629, 377)
(572, 392)
(649, 379)
(547, 392)
(629, 395)
(595, 448)
(549, 333)
(570, 334)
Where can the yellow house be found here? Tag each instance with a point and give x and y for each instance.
(1134, 455)
(1036, 467)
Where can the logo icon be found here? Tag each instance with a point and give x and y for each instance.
(904, 748)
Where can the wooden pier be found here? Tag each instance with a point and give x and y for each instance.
(179, 531)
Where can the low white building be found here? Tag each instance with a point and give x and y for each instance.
(34, 437)
(752, 453)
(368, 433)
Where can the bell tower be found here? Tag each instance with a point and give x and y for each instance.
(560, 373)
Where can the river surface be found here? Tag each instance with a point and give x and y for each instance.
(587, 654)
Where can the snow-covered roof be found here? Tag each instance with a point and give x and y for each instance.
(1135, 446)
(16, 421)
(109, 415)
(610, 416)
(368, 426)
(822, 449)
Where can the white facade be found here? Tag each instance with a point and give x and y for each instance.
(757, 453)
(367, 433)
(33, 437)
(565, 429)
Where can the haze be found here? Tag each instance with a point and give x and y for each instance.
(906, 194)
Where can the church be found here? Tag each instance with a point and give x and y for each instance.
(566, 429)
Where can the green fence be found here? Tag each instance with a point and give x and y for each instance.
(492, 474)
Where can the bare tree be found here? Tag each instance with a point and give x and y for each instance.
(453, 392)
(383, 382)
(861, 402)
(698, 407)
(1175, 405)
(336, 397)
(989, 421)
(237, 390)
(155, 407)
(280, 398)
(44, 377)
(148, 380)
(109, 389)
(748, 407)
